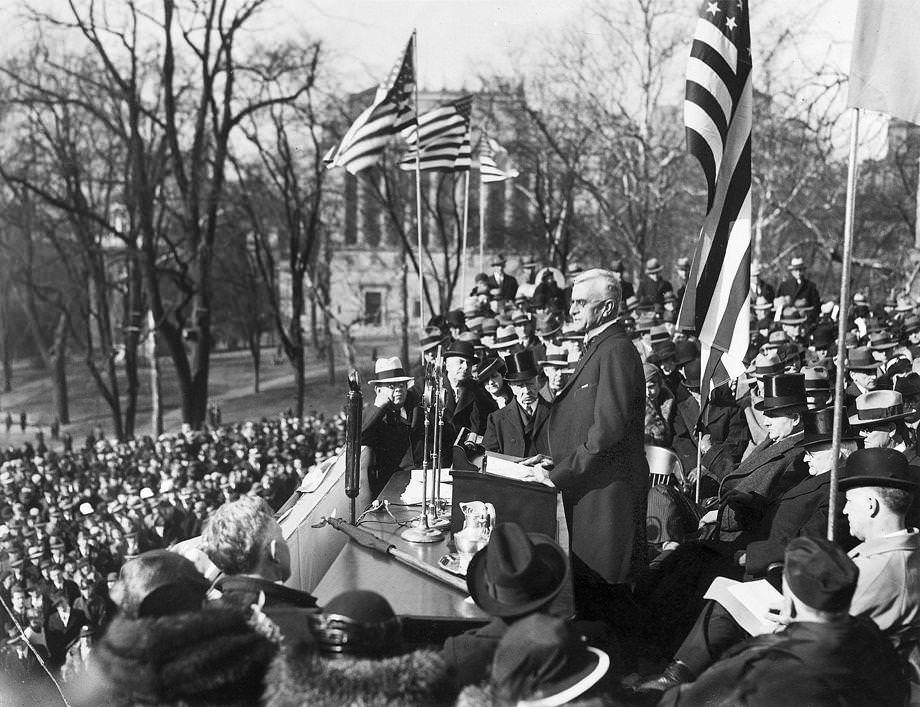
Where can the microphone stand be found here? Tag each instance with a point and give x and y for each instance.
(423, 532)
(437, 519)
(353, 405)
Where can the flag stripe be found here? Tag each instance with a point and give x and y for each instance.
(718, 111)
(443, 138)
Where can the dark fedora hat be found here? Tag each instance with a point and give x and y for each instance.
(908, 385)
(461, 349)
(685, 351)
(877, 466)
(783, 393)
(911, 324)
(879, 406)
(516, 573)
(548, 324)
(860, 358)
(819, 428)
(489, 367)
(791, 315)
(692, 373)
(822, 336)
(882, 340)
(521, 366)
(543, 660)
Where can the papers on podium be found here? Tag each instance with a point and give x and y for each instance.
(749, 603)
(507, 466)
(413, 493)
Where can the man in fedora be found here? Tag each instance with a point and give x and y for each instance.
(822, 655)
(466, 403)
(879, 417)
(862, 369)
(520, 430)
(682, 268)
(506, 284)
(597, 434)
(792, 321)
(514, 576)
(797, 286)
(652, 287)
(880, 489)
(628, 292)
(760, 288)
(387, 427)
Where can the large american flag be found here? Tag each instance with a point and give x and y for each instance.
(717, 117)
(444, 134)
(391, 112)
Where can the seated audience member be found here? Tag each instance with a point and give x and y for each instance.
(659, 408)
(542, 660)
(166, 646)
(515, 575)
(245, 541)
(361, 661)
(822, 656)
(520, 429)
(879, 490)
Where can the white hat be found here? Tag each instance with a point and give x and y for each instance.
(86, 509)
(389, 370)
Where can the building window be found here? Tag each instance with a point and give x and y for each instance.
(373, 307)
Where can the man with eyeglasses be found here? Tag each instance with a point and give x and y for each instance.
(596, 434)
(385, 435)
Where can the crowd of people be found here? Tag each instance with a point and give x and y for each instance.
(579, 377)
(70, 518)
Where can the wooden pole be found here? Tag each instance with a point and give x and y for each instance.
(482, 223)
(842, 321)
(466, 222)
(418, 193)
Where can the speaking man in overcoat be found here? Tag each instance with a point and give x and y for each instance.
(596, 436)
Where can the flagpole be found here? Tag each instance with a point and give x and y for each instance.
(842, 321)
(466, 222)
(482, 221)
(418, 191)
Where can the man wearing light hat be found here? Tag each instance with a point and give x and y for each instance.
(653, 286)
(507, 284)
(385, 434)
(822, 655)
(797, 286)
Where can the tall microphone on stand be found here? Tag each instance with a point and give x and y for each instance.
(353, 410)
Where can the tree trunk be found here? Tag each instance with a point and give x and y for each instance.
(256, 352)
(6, 352)
(60, 403)
(330, 349)
(300, 383)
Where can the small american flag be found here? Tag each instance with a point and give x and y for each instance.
(494, 163)
(445, 138)
(717, 117)
(391, 112)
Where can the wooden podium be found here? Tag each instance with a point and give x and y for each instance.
(535, 507)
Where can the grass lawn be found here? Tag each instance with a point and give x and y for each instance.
(231, 386)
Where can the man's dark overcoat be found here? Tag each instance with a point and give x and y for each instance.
(506, 432)
(596, 435)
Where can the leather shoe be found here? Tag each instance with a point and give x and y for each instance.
(675, 674)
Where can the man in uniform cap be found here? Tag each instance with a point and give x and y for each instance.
(797, 286)
(822, 656)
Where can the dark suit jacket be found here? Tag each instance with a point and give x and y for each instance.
(800, 511)
(805, 289)
(469, 655)
(388, 434)
(845, 663)
(769, 470)
(653, 289)
(508, 286)
(59, 637)
(506, 432)
(597, 440)
(470, 409)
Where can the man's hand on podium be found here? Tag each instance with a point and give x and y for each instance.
(541, 465)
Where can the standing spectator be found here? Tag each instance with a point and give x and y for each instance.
(652, 287)
(506, 284)
(8, 421)
(659, 409)
(797, 286)
(63, 628)
(22, 421)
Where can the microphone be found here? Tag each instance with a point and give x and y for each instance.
(353, 407)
